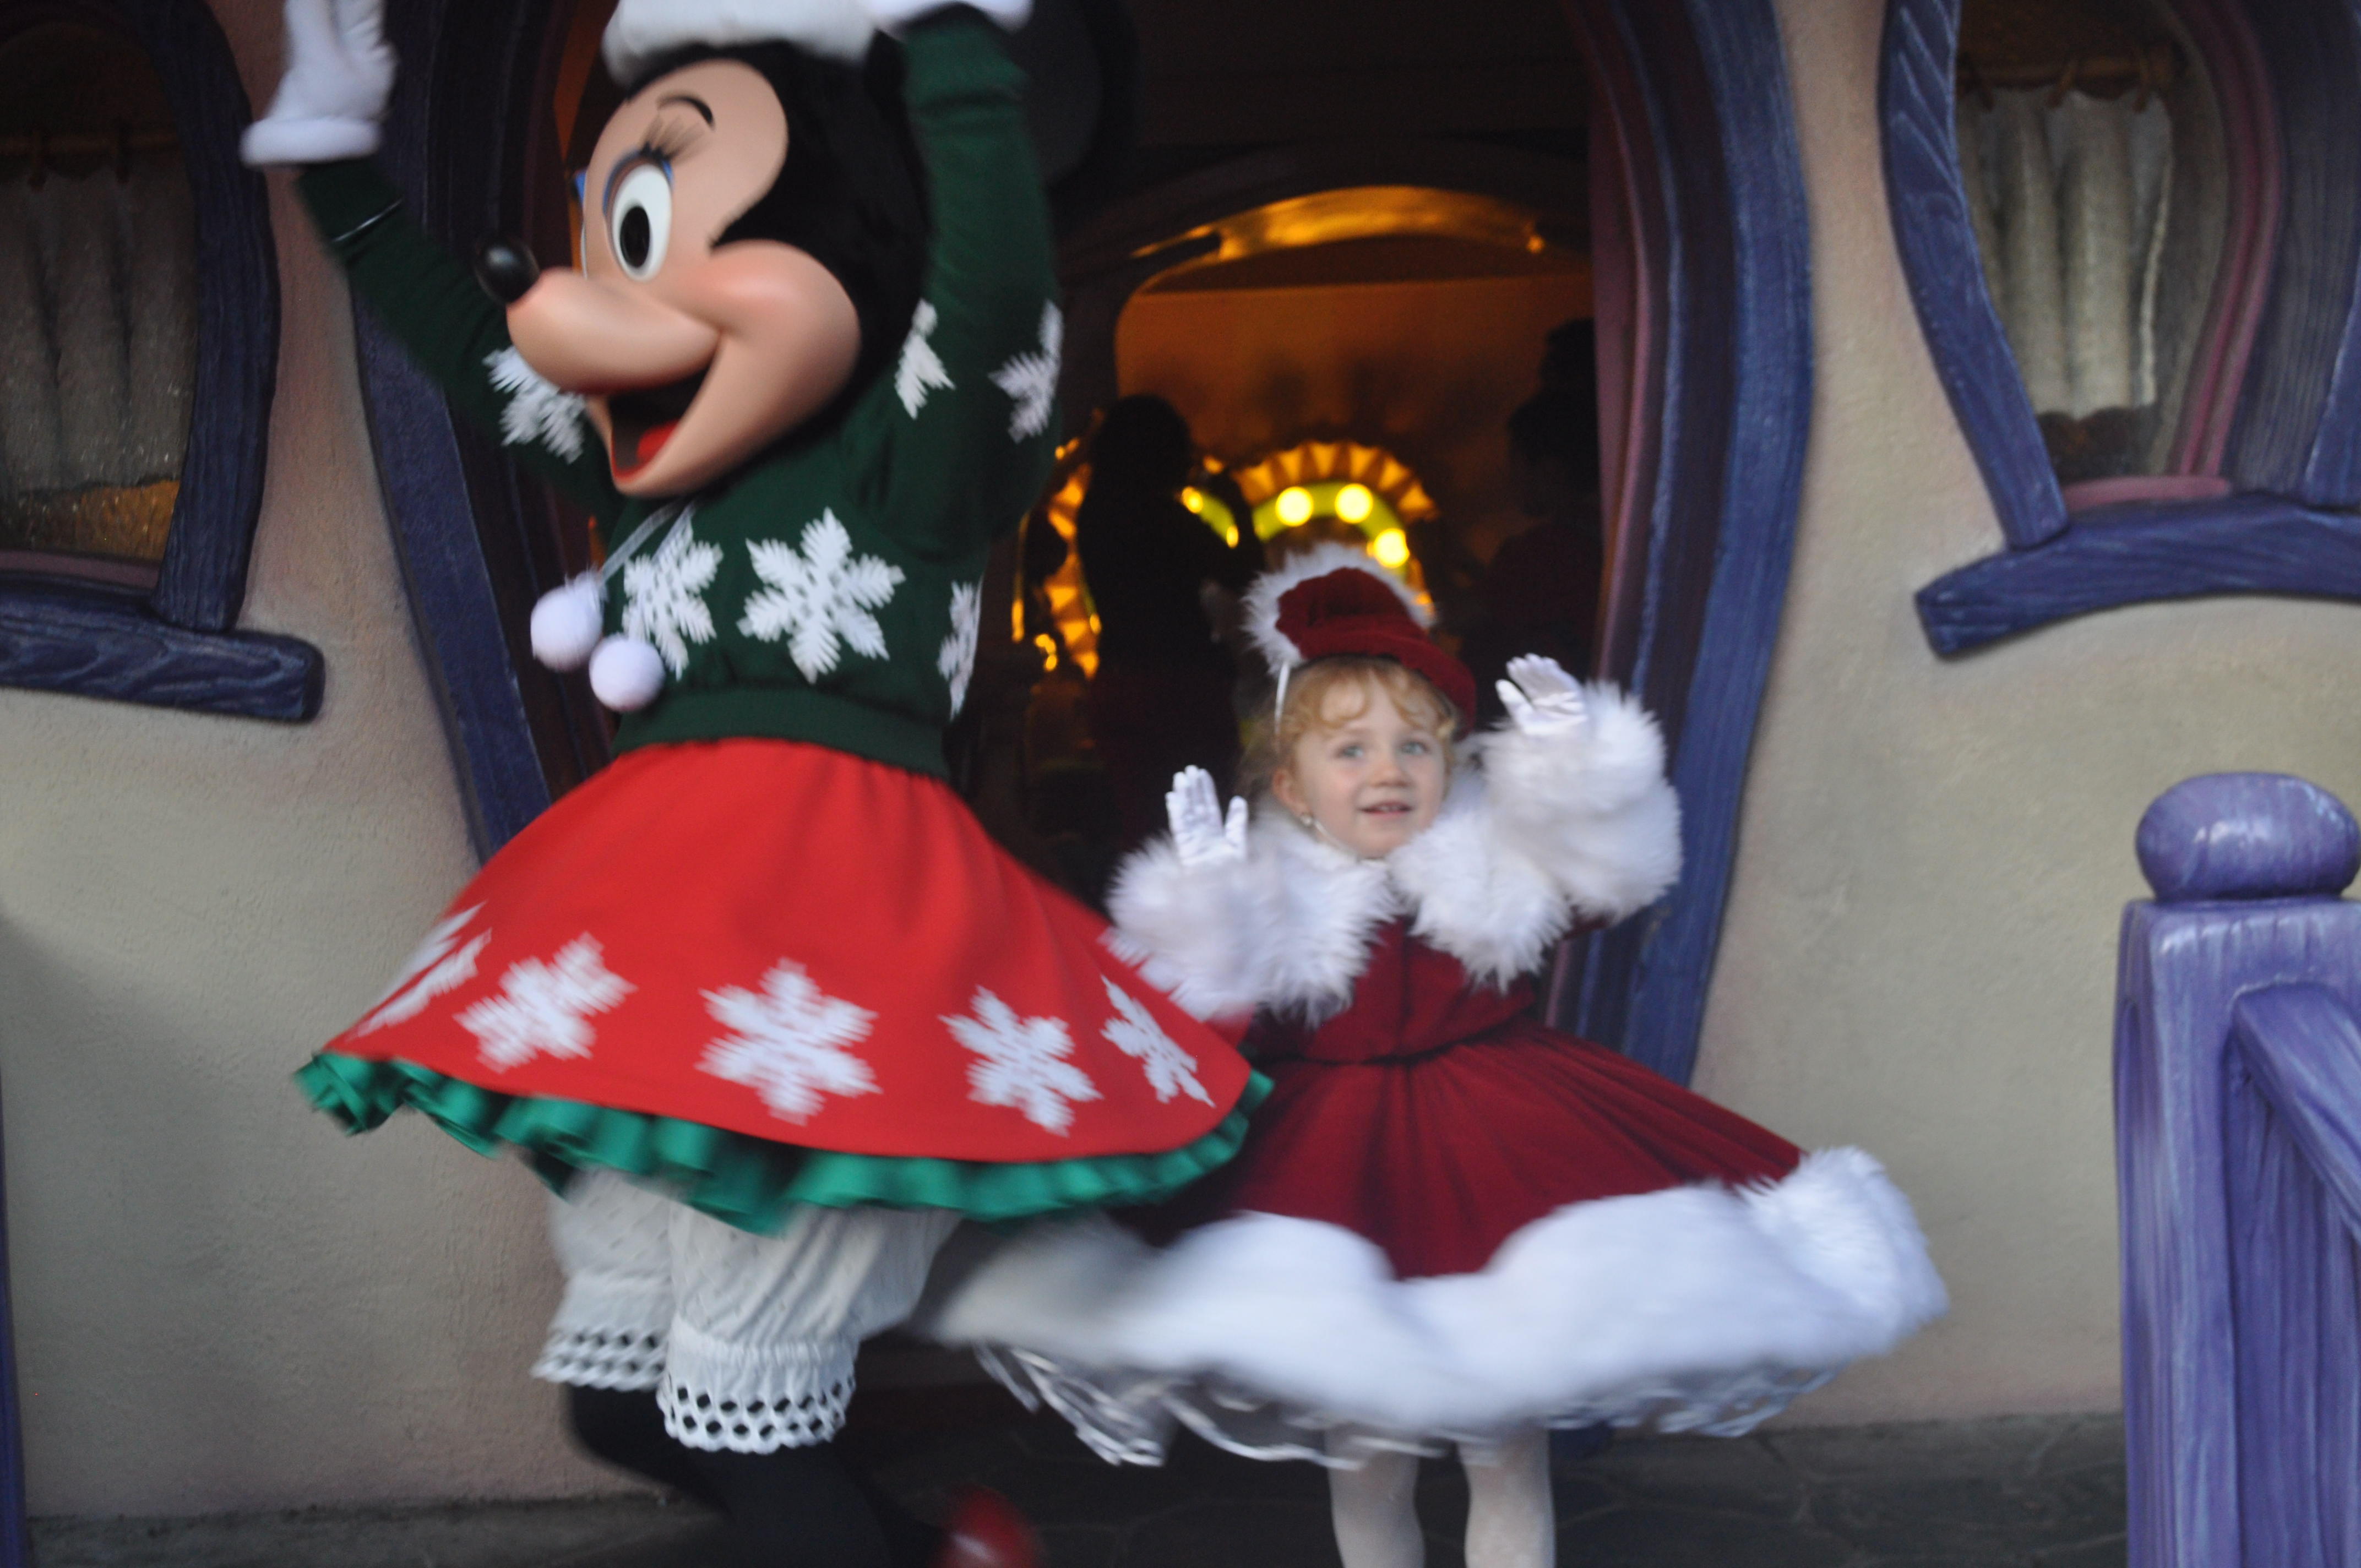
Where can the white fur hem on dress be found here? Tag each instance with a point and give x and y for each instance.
(1694, 1309)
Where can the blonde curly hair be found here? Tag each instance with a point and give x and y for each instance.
(1328, 694)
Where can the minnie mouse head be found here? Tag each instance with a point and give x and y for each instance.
(752, 237)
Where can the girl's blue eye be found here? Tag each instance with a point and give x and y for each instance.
(1415, 748)
(1349, 751)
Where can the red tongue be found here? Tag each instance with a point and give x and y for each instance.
(644, 450)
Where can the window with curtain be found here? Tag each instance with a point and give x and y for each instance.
(2091, 160)
(98, 305)
(2070, 201)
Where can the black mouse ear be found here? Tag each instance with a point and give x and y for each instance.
(1081, 60)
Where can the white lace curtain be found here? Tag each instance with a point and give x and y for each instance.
(98, 328)
(2071, 204)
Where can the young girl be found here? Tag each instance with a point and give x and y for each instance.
(1451, 1223)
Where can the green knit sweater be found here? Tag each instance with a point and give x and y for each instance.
(829, 592)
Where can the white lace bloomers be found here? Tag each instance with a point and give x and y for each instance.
(747, 1340)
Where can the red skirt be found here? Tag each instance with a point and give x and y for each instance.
(789, 942)
(1440, 1158)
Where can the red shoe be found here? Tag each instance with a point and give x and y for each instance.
(986, 1531)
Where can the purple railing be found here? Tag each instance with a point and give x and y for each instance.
(2238, 1150)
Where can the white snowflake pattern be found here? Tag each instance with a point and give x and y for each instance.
(542, 1007)
(789, 1044)
(663, 594)
(819, 596)
(537, 411)
(1136, 1033)
(921, 369)
(1031, 379)
(957, 660)
(433, 970)
(1024, 1063)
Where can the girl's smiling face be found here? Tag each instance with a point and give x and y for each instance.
(1369, 774)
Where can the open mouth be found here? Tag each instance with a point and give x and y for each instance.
(644, 419)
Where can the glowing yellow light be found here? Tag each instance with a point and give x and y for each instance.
(1354, 503)
(1193, 498)
(1295, 506)
(1049, 646)
(1391, 548)
(1095, 626)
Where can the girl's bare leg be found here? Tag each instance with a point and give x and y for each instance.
(1375, 1508)
(1511, 1519)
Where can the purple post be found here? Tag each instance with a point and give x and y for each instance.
(2238, 1149)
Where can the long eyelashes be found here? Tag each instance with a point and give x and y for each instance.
(663, 144)
(667, 140)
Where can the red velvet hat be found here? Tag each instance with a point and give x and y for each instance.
(1333, 601)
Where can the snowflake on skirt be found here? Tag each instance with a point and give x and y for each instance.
(1136, 1033)
(438, 966)
(790, 1041)
(1024, 1063)
(542, 1007)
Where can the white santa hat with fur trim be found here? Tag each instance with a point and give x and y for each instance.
(833, 30)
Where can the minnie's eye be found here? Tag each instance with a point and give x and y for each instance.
(638, 223)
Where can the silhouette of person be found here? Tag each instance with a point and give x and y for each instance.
(1160, 699)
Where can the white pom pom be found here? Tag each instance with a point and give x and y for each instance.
(566, 623)
(626, 674)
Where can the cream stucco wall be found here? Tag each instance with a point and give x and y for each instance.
(221, 1301)
(1919, 953)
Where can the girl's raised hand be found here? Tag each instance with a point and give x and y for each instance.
(1201, 834)
(1541, 698)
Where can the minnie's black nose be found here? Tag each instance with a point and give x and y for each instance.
(506, 268)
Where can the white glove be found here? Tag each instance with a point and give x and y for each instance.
(1542, 700)
(892, 16)
(1202, 836)
(339, 75)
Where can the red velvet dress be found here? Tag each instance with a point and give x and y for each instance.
(1434, 1117)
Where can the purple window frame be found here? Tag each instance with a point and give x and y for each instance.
(2266, 477)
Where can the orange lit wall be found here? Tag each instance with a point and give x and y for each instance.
(1429, 370)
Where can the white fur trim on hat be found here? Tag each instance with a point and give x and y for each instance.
(642, 30)
(1264, 594)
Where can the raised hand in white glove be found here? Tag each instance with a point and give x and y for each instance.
(339, 75)
(892, 16)
(1541, 698)
(1202, 836)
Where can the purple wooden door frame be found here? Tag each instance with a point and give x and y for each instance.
(1719, 238)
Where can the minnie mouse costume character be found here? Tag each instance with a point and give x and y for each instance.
(1451, 1222)
(762, 998)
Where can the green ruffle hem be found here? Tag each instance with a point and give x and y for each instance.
(747, 1181)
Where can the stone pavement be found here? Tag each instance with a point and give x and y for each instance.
(2018, 1493)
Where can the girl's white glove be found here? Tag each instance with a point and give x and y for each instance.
(892, 16)
(1542, 700)
(339, 75)
(1201, 835)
